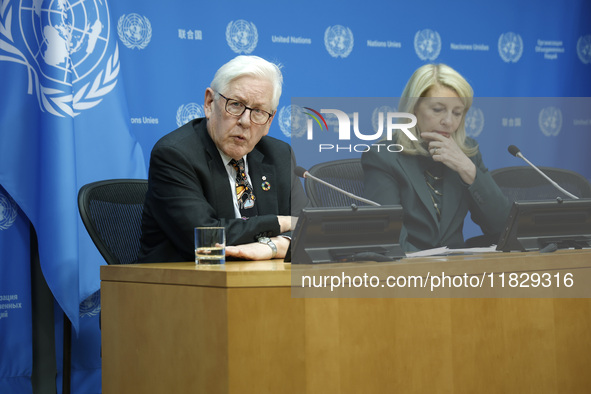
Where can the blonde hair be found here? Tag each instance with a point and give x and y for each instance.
(423, 79)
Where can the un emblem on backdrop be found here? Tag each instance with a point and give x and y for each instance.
(8, 211)
(188, 112)
(550, 121)
(474, 122)
(510, 47)
(584, 48)
(242, 36)
(375, 116)
(91, 306)
(427, 44)
(135, 31)
(338, 41)
(292, 121)
(61, 44)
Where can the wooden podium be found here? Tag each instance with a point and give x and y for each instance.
(245, 327)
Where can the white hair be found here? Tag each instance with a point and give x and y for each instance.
(252, 66)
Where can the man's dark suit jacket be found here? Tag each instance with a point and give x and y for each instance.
(398, 179)
(188, 187)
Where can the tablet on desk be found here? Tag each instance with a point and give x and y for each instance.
(344, 234)
(533, 225)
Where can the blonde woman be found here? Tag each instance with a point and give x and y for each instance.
(440, 177)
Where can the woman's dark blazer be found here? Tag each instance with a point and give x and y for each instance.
(398, 179)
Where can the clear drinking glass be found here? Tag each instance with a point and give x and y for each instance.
(210, 245)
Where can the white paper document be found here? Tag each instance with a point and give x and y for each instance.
(444, 251)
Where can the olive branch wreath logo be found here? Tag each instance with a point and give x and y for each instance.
(8, 211)
(50, 99)
(230, 38)
(123, 37)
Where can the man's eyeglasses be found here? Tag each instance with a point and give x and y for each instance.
(236, 108)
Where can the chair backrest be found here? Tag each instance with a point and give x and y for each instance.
(525, 183)
(111, 211)
(346, 174)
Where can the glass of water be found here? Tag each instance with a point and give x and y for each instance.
(210, 245)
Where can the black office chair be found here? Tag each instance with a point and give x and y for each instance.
(111, 211)
(346, 174)
(525, 183)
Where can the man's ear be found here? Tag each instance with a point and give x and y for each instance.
(208, 102)
(269, 122)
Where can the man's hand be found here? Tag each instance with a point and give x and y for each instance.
(259, 251)
(287, 223)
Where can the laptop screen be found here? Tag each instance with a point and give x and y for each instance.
(532, 225)
(341, 234)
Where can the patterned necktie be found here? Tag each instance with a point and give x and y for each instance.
(244, 192)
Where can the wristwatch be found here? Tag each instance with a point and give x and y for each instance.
(267, 240)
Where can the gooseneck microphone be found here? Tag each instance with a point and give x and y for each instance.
(303, 173)
(517, 153)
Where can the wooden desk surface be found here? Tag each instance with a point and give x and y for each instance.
(277, 273)
(238, 328)
(231, 274)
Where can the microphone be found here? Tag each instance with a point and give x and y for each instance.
(303, 173)
(517, 153)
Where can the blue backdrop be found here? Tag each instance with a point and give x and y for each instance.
(88, 87)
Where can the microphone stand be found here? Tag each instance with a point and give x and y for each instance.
(353, 196)
(547, 177)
